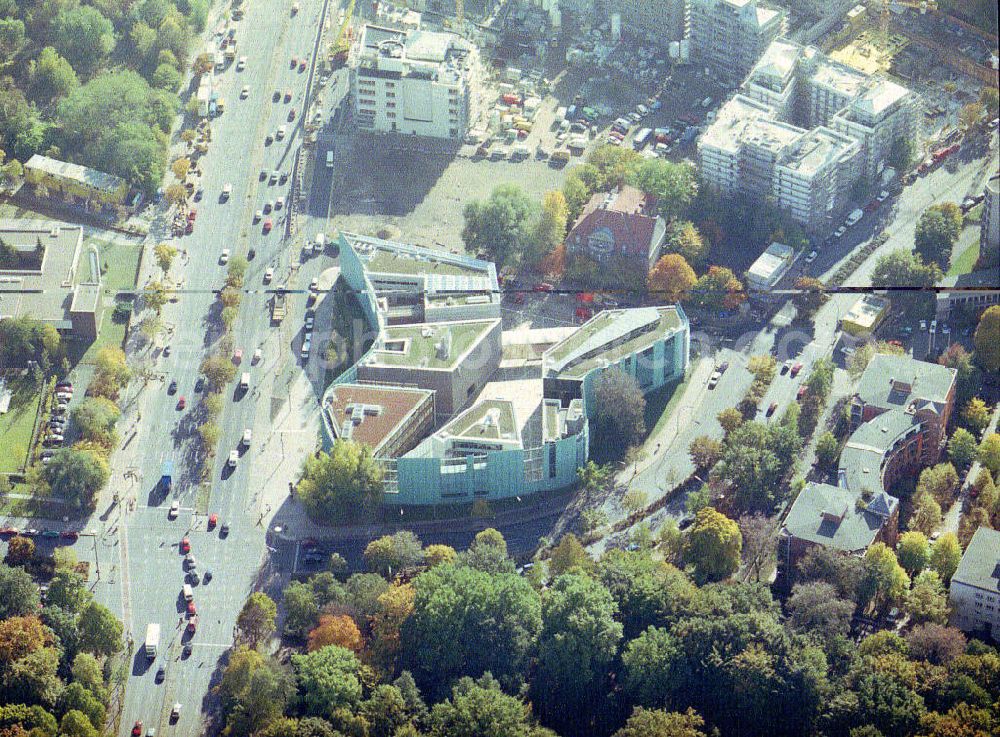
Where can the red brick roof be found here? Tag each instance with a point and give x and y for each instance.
(628, 213)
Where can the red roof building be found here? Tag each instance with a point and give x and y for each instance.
(619, 224)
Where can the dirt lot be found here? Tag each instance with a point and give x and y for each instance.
(420, 196)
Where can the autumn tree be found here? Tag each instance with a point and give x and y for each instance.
(620, 408)
(976, 415)
(336, 630)
(809, 297)
(945, 556)
(987, 340)
(684, 239)
(718, 288)
(20, 551)
(165, 255)
(671, 278)
(569, 554)
(926, 517)
(549, 229)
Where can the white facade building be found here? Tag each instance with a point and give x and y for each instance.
(802, 130)
(975, 587)
(415, 83)
(731, 35)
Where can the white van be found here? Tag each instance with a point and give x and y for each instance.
(329, 159)
(245, 381)
(188, 593)
(320, 243)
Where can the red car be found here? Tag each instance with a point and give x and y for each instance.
(137, 728)
(796, 368)
(801, 392)
(268, 225)
(238, 356)
(213, 519)
(181, 403)
(185, 545)
(543, 286)
(69, 534)
(192, 215)
(584, 313)
(192, 609)
(189, 228)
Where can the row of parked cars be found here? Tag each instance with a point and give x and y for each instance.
(55, 432)
(34, 532)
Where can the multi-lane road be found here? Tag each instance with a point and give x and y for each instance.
(137, 543)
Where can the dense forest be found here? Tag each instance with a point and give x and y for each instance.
(94, 82)
(430, 642)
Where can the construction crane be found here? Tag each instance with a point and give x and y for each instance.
(459, 12)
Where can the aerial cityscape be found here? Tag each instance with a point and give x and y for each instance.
(499, 368)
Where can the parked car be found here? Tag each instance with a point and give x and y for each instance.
(185, 545)
(772, 408)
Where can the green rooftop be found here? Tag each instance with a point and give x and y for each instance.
(416, 346)
(610, 336)
(491, 419)
(387, 262)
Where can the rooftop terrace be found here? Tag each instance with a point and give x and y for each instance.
(490, 419)
(434, 346)
(609, 336)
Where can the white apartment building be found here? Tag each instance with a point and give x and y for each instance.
(418, 83)
(975, 587)
(882, 112)
(813, 179)
(731, 35)
(660, 21)
(802, 130)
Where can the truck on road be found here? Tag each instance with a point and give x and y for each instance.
(278, 306)
(152, 639)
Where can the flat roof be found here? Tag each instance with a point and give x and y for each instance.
(980, 564)
(866, 310)
(441, 271)
(430, 345)
(372, 414)
(778, 60)
(488, 419)
(732, 119)
(609, 336)
(83, 174)
(817, 150)
(836, 76)
(879, 94)
(771, 262)
(46, 288)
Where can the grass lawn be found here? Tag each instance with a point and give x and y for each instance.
(119, 263)
(661, 403)
(966, 260)
(16, 425)
(10, 210)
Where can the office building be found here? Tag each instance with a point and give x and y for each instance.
(47, 273)
(730, 36)
(494, 435)
(418, 83)
(974, 592)
(659, 21)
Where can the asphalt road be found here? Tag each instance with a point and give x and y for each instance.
(142, 564)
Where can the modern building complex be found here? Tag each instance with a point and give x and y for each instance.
(731, 35)
(975, 588)
(622, 224)
(802, 130)
(415, 82)
(75, 184)
(899, 415)
(447, 422)
(46, 273)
